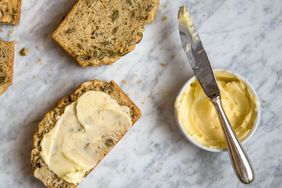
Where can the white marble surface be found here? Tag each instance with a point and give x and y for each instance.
(243, 36)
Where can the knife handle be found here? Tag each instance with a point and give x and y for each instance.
(239, 159)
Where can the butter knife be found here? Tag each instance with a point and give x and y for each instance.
(202, 69)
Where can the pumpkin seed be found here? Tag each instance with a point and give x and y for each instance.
(105, 43)
(140, 34)
(70, 30)
(115, 30)
(133, 13)
(129, 2)
(111, 53)
(131, 42)
(115, 15)
(83, 58)
(79, 46)
(124, 53)
(14, 11)
(2, 79)
(109, 142)
(95, 53)
(151, 6)
(1, 14)
(88, 2)
(102, 55)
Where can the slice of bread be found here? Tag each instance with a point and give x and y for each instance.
(10, 11)
(6, 65)
(39, 167)
(99, 32)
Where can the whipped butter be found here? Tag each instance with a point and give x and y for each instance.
(83, 135)
(185, 19)
(199, 118)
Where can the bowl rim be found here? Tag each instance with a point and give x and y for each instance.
(190, 139)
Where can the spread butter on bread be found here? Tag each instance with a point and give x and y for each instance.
(76, 135)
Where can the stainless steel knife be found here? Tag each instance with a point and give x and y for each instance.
(203, 71)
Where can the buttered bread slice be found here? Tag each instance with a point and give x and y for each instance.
(99, 32)
(76, 135)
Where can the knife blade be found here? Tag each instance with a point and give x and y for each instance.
(196, 53)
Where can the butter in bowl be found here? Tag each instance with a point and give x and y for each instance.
(198, 121)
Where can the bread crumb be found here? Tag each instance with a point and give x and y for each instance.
(164, 92)
(33, 76)
(163, 65)
(11, 31)
(23, 52)
(142, 102)
(39, 61)
(164, 18)
(280, 21)
(164, 96)
(263, 102)
(124, 82)
(139, 81)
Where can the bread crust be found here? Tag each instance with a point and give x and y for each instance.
(16, 21)
(10, 64)
(18, 18)
(107, 60)
(39, 168)
(153, 13)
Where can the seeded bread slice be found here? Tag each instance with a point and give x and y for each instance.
(39, 167)
(10, 11)
(99, 32)
(6, 65)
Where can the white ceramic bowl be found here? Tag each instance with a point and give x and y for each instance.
(191, 139)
